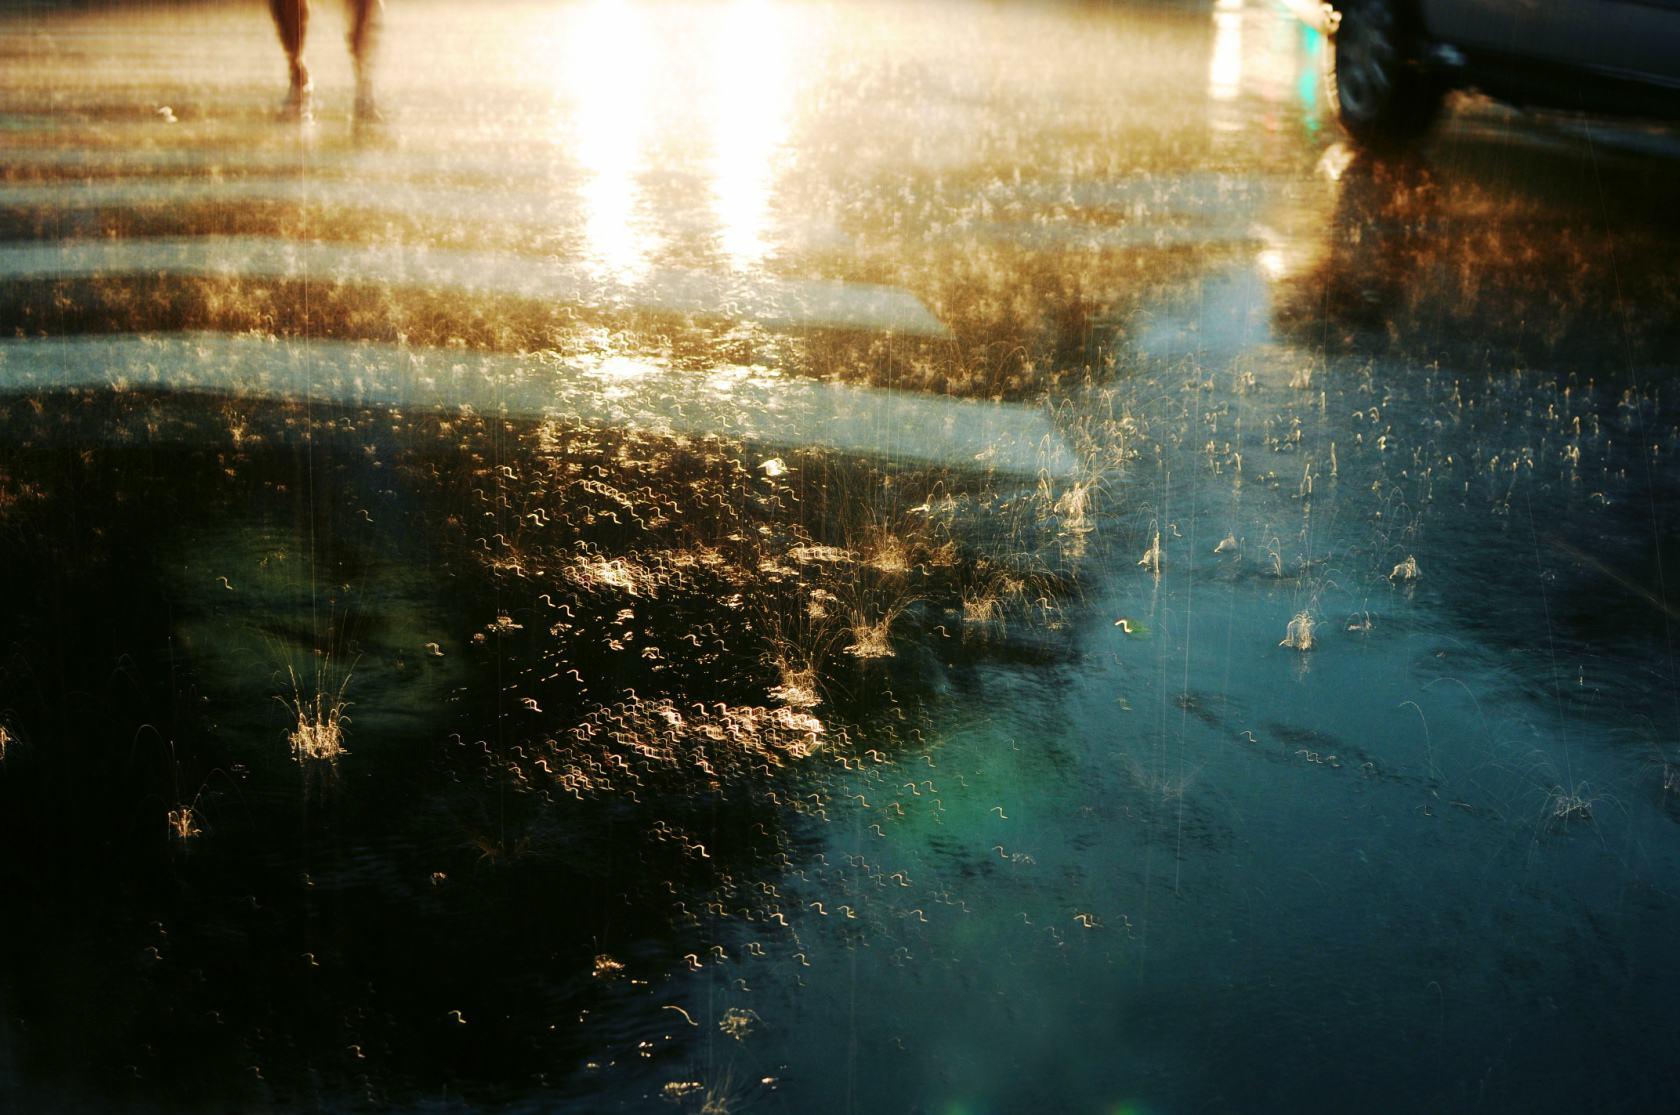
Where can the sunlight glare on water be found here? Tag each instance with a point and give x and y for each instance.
(1225, 66)
(703, 91)
(750, 91)
(605, 83)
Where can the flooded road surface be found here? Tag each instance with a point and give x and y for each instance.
(769, 557)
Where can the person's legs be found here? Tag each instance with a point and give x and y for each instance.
(291, 19)
(364, 28)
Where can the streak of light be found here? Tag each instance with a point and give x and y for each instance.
(1225, 68)
(747, 114)
(605, 82)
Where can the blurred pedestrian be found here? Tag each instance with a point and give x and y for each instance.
(291, 19)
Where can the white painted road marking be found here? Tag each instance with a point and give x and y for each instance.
(1007, 438)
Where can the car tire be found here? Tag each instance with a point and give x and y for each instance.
(1382, 87)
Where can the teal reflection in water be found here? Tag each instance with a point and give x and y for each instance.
(1308, 84)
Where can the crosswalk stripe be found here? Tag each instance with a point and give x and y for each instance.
(1007, 438)
(316, 158)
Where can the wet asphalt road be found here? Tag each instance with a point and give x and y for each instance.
(603, 591)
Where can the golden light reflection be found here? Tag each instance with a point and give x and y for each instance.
(617, 368)
(619, 376)
(724, 380)
(605, 78)
(748, 119)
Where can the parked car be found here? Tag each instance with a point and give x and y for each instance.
(1394, 61)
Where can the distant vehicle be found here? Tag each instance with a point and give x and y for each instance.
(1395, 60)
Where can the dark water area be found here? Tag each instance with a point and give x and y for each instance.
(205, 592)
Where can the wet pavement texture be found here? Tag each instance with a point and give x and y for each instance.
(864, 557)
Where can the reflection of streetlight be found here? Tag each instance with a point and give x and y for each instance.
(606, 79)
(748, 119)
